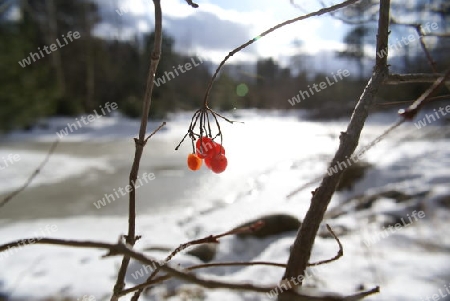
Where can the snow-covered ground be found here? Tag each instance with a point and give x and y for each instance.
(275, 154)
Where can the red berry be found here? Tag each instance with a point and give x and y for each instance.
(219, 163)
(218, 149)
(204, 147)
(194, 162)
(208, 162)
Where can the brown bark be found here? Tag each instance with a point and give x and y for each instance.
(301, 250)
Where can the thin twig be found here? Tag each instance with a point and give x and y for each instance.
(370, 16)
(272, 29)
(155, 131)
(150, 281)
(202, 117)
(395, 79)
(163, 278)
(304, 186)
(362, 295)
(338, 255)
(209, 239)
(414, 108)
(430, 99)
(10, 196)
(418, 28)
(191, 3)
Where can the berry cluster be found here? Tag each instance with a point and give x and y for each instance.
(212, 152)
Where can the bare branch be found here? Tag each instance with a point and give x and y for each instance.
(160, 279)
(436, 34)
(155, 131)
(151, 281)
(191, 3)
(139, 148)
(395, 79)
(362, 295)
(30, 179)
(301, 250)
(430, 99)
(207, 239)
(126, 251)
(304, 186)
(234, 51)
(414, 108)
(418, 28)
(338, 255)
(370, 14)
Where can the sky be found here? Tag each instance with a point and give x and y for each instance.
(216, 27)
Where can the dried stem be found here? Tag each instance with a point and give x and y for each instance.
(338, 255)
(140, 142)
(414, 108)
(395, 79)
(202, 117)
(155, 131)
(150, 281)
(191, 3)
(207, 239)
(422, 35)
(418, 28)
(30, 179)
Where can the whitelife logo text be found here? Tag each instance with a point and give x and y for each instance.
(48, 49)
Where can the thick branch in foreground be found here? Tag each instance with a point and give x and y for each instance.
(139, 148)
(301, 250)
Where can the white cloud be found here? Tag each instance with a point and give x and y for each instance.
(218, 26)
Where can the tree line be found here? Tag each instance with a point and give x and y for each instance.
(53, 65)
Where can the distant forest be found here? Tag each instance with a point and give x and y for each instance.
(89, 71)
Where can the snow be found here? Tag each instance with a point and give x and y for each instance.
(410, 263)
(60, 167)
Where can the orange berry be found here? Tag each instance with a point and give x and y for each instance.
(194, 162)
(219, 163)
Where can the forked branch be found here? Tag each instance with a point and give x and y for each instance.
(301, 250)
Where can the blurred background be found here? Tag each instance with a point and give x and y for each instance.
(76, 71)
(109, 61)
